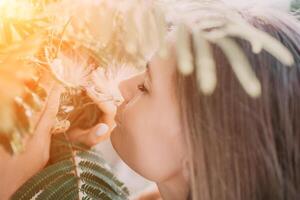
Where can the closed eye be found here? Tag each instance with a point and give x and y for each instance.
(142, 87)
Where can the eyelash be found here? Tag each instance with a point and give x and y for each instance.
(142, 87)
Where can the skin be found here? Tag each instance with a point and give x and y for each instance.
(17, 169)
(148, 134)
(146, 131)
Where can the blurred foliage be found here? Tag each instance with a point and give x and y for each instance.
(295, 5)
(21, 37)
(21, 95)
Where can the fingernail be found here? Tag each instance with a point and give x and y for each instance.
(102, 129)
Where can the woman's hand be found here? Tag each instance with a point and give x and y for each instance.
(105, 93)
(102, 130)
(15, 170)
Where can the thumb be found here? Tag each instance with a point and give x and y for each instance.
(96, 135)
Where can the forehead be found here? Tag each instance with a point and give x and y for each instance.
(165, 66)
(163, 75)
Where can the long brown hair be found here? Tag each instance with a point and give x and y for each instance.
(242, 148)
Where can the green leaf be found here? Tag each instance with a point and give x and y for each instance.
(69, 195)
(61, 185)
(65, 179)
(94, 193)
(42, 179)
(105, 175)
(96, 182)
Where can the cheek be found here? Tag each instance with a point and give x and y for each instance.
(149, 140)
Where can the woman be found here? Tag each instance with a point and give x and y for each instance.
(223, 146)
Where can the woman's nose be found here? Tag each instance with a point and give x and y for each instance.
(128, 87)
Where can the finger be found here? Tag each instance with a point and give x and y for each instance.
(74, 134)
(98, 134)
(101, 132)
(37, 116)
(42, 136)
(49, 86)
(48, 115)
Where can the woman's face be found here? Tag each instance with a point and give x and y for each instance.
(148, 135)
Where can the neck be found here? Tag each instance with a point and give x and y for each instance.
(175, 188)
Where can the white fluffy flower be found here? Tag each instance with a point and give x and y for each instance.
(104, 82)
(72, 70)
